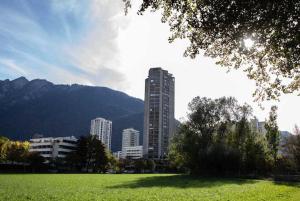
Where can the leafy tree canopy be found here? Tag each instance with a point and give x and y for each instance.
(273, 132)
(260, 37)
(217, 139)
(90, 154)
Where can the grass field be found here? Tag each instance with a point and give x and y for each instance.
(81, 187)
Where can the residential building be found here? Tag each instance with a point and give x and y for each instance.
(102, 129)
(159, 121)
(258, 126)
(134, 152)
(130, 138)
(51, 148)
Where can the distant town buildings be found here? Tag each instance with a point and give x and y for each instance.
(258, 126)
(102, 129)
(51, 148)
(159, 121)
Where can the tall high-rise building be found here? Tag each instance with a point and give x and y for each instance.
(159, 121)
(130, 138)
(102, 129)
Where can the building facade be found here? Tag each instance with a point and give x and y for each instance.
(134, 152)
(130, 138)
(102, 129)
(258, 126)
(159, 121)
(51, 148)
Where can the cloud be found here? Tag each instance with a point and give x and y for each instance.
(42, 69)
(97, 53)
(13, 66)
(72, 6)
(74, 38)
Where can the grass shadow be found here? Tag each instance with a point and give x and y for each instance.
(288, 183)
(181, 181)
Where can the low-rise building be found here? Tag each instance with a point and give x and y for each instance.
(134, 152)
(51, 148)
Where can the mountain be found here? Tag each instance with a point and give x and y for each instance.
(39, 106)
(284, 136)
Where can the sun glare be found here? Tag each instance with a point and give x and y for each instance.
(248, 42)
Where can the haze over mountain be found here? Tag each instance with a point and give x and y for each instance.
(39, 106)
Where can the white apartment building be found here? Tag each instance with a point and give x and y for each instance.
(130, 138)
(132, 152)
(130, 144)
(102, 129)
(50, 147)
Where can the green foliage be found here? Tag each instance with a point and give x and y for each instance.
(217, 139)
(273, 133)
(138, 187)
(13, 151)
(36, 161)
(139, 165)
(4, 144)
(292, 149)
(221, 29)
(90, 155)
(17, 151)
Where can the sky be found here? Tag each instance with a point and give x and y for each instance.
(92, 42)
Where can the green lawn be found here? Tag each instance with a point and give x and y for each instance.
(81, 187)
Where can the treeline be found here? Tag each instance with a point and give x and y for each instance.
(15, 155)
(90, 155)
(218, 139)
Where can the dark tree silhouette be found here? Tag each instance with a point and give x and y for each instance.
(90, 155)
(36, 161)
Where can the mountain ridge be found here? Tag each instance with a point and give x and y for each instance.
(39, 106)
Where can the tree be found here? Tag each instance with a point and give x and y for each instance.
(97, 159)
(256, 157)
(197, 142)
(113, 163)
(261, 37)
(35, 160)
(139, 165)
(17, 151)
(217, 139)
(90, 155)
(273, 133)
(296, 147)
(4, 145)
(293, 148)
